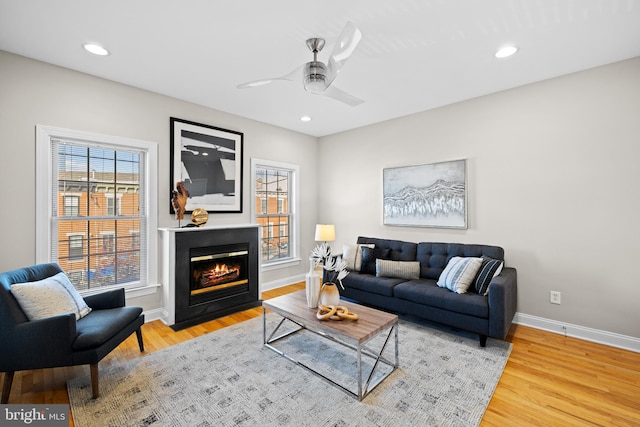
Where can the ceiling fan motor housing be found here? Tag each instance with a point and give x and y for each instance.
(315, 77)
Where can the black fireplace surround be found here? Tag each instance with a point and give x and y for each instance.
(198, 253)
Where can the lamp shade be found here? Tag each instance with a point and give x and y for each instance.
(325, 232)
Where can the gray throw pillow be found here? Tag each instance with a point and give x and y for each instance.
(400, 269)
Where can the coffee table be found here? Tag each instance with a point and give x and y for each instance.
(349, 333)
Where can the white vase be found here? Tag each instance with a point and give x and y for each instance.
(329, 294)
(313, 282)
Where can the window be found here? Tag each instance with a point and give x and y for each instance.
(114, 204)
(71, 205)
(274, 188)
(108, 242)
(76, 247)
(99, 195)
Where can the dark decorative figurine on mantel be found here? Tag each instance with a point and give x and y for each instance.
(179, 198)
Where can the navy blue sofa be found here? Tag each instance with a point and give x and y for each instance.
(488, 316)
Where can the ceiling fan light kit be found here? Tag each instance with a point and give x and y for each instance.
(315, 72)
(315, 77)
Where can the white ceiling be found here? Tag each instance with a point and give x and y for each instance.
(414, 55)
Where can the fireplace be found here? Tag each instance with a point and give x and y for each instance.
(217, 271)
(211, 272)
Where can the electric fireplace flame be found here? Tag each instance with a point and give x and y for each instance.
(219, 274)
(217, 271)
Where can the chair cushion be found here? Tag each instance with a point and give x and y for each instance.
(50, 297)
(100, 325)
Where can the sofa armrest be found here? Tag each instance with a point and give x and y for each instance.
(105, 300)
(503, 293)
(38, 343)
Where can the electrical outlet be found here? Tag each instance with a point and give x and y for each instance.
(555, 297)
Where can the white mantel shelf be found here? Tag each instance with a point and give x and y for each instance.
(205, 227)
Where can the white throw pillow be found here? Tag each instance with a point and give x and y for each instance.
(50, 297)
(352, 255)
(459, 273)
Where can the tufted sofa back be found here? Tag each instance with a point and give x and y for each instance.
(433, 257)
(400, 251)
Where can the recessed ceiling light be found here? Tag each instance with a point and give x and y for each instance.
(305, 118)
(506, 51)
(95, 49)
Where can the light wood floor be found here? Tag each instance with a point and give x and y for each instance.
(549, 380)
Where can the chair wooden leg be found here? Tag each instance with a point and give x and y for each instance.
(140, 343)
(6, 387)
(95, 388)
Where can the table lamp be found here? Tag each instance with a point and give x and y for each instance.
(325, 233)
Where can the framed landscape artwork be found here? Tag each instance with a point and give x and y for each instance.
(432, 195)
(208, 160)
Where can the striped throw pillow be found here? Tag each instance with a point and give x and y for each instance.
(459, 273)
(489, 269)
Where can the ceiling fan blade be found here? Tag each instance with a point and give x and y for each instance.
(342, 96)
(292, 76)
(344, 47)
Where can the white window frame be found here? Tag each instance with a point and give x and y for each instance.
(294, 205)
(44, 194)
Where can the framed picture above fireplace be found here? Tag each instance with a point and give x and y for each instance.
(208, 161)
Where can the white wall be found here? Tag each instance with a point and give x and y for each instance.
(552, 171)
(553, 175)
(35, 93)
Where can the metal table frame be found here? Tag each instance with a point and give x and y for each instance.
(361, 350)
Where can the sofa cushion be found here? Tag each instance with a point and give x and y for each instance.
(399, 269)
(369, 257)
(489, 269)
(459, 273)
(352, 255)
(398, 249)
(368, 283)
(96, 328)
(434, 257)
(428, 293)
(49, 297)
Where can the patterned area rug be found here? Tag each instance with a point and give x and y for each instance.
(227, 378)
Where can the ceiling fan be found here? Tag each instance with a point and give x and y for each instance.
(317, 77)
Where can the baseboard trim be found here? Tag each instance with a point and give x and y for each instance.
(154, 314)
(265, 286)
(576, 331)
